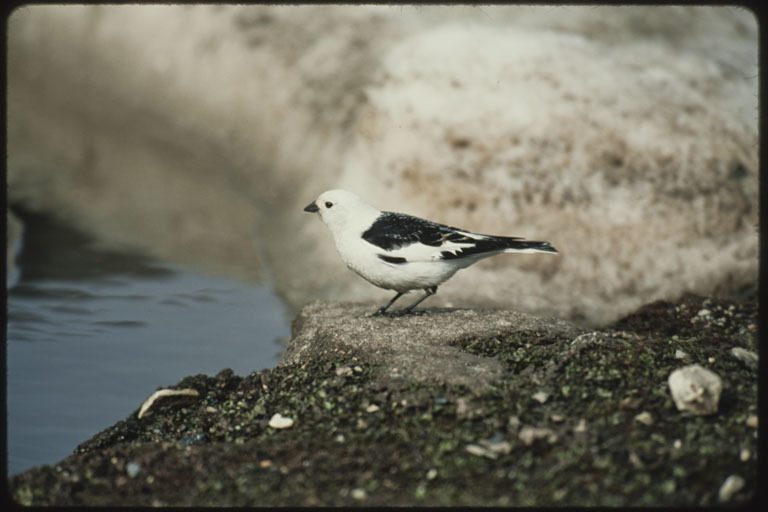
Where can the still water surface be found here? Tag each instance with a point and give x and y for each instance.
(92, 333)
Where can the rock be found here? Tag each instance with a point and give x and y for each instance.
(695, 389)
(480, 451)
(645, 418)
(731, 485)
(528, 435)
(421, 347)
(279, 421)
(749, 358)
(494, 447)
(132, 469)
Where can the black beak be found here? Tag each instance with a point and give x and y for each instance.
(311, 208)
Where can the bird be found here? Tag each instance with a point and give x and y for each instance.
(401, 252)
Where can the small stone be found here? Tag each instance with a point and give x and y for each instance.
(480, 451)
(731, 485)
(744, 455)
(750, 359)
(280, 421)
(132, 469)
(372, 408)
(339, 438)
(359, 494)
(461, 408)
(679, 354)
(431, 474)
(677, 444)
(695, 389)
(711, 360)
(645, 418)
(540, 397)
(344, 371)
(752, 421)
(528, 435)
(497, 445)
(514, 422)
(704, 312)
(580, 427)
(556, 418)
(265, 464)
(358, 369)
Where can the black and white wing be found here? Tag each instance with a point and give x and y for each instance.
(405, 238)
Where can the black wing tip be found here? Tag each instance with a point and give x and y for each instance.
(392, 259)
(546, 246)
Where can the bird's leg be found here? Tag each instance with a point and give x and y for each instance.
(383, 309)
(429, 291)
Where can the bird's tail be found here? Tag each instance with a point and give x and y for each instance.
(519, 245)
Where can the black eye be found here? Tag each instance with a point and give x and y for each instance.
(328, 204)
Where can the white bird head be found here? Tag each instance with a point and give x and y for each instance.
(343, 210)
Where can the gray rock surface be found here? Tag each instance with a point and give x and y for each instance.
(418, 348)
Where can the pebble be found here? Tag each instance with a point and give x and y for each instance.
(280, 421)
(359, 494)
(580, 427)
(476, 449)
(744, 455)
(752, 421)
(497, 445)
(540, 397)
(132, 469)
(372, 408)
(747, 357)
(679, 354)
(431, 474)
(731, 485)
(344, 371)
(695, 389)
(528, 435)
(645, 418)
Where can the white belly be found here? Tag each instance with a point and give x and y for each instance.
(363, 259)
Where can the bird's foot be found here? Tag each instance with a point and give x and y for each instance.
(398, 313)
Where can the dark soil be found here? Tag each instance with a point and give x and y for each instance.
(585, 421)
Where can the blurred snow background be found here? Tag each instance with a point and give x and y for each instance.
(626, 136)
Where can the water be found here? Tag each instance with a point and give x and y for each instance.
(92, 333)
